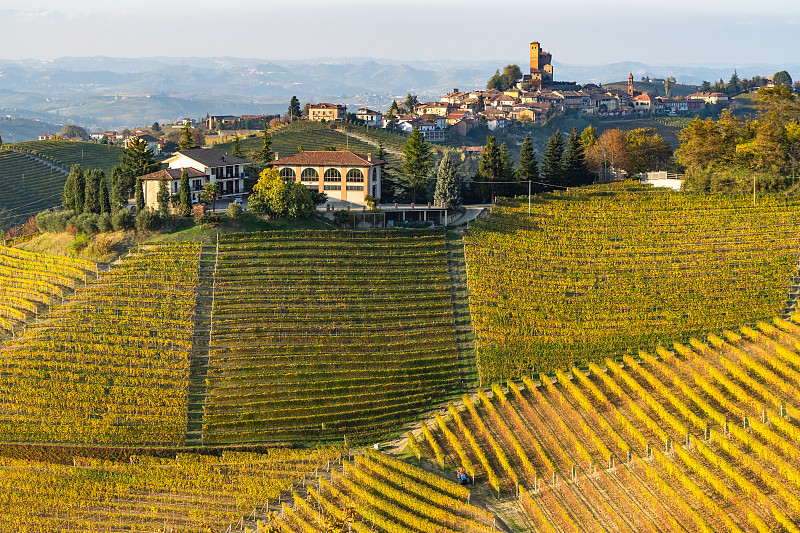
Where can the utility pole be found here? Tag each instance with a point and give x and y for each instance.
(754, 190)
(529, 197)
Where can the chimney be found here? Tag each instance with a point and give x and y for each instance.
(276, 156)
(223, 158)
(369, 158)
(455, 91)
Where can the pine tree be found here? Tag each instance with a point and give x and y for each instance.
(185, 195)
(448, 182)
(236, 151)
(69, 188)
(552, 164)
(417, 163)
(105, 201)
(139, 195)
(80, 190)
(137, 160)
(576, 171)
(528, 166)
(119, 190)
(490, 169)
(186, 143)
(163, 196)
(91, 199)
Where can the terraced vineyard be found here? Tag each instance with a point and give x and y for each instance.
(30, 281)
(67, 153)
(189, 493)
(110, 366)
(28, 186)
(378, 493)
(598, 271)
(318, 335)
(702, 438)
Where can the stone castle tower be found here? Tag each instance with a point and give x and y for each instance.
(541, 69)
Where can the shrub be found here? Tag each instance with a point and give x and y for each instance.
(234, 211)
(78, 243)
(54, 222)
(341, 217)
(148, 220)
(122, 220)
(104, 223)
(207, 218)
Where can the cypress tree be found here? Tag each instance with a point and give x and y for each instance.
(80, 189)
(119, 190)
(185, 198)
(576, 171)
(163, 196)
(507, 189)
(237, 146)
(91, 198)
(139, 196)
(105, 201)
(69, 188)
(552, 164)
(448, 182)
(528, 166)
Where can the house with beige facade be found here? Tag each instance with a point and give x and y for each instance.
(151, 184)
(327, 112)
(347, 178)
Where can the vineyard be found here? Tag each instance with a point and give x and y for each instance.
(379, 493)
(110, 365)
(599, 271)
(701, 438)
(31, 281)
(67, 153)
(188, 493)
(321, 335)
(28, 186)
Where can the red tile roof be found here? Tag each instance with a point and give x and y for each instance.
(329, 158)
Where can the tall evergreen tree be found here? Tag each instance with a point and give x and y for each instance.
(491, 170)
(294, 108)
(552, 164)
(69, 188)
(186, 142)
(137, 160)
(185, 200)
(119, 189)
(91, 199)
(80, 190)
(528, 169)
(576, 171)
(139, 196)
(236, 151)
(105, 201)
(265, 155)
(417, 163)
(448, 182)
(162, 197)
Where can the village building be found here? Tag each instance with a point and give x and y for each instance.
(217, 167)
(152, 142)
(151, 184)
(370, 117)
(213, 120)
(347, 178)
(327, 112)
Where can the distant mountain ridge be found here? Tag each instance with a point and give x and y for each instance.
(106, 92)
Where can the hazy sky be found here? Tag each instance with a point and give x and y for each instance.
(578, 32)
